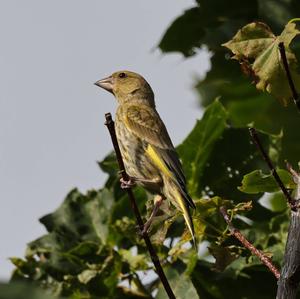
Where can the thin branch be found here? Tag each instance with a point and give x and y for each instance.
(295, 95)
(267, 159)
(263, 258)
(290, 273)
(111, 128)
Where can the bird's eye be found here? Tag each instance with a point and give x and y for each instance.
(122, 75)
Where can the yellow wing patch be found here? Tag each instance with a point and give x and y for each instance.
(159, 163)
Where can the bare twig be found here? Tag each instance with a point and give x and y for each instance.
(267, 159)
(111, 127)
(290, 273)
(234, 231)
(295, 95)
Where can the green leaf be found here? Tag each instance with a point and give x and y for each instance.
(18, 290)
(196, 148)
(122, 207)
(181, 285)
(127, 293)
(245, 104)
(185, 33)
(275, 202)
(207, 214)
(257, 181)
(209, 24)
(87, 275)
(76, 252)
(215, 21)
(84, 217)
(109, 165)
(216, 157)
(233, 156)
(224, 257)
(210, 284)
(136, 262)
(256, 48)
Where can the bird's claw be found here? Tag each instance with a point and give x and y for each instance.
(142, 231)
(145, 229)
(126, 184)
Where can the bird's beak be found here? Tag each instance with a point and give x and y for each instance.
(106, 83)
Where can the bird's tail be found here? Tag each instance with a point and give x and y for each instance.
(183, 203)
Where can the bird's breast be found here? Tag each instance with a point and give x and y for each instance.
(133, 150)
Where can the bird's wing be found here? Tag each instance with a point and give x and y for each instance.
(145, 123)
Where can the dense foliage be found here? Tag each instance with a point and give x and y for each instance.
(92, 249)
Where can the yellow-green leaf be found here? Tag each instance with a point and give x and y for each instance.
(256, 48)
(256, 182)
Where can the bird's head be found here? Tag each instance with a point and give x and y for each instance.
(127, 86)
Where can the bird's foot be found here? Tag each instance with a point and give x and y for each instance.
(146, 227)
(127, 184)
(153, 180)
(142, 231)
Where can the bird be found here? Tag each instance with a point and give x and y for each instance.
(148, 153)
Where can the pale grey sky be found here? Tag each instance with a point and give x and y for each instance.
(51, 114)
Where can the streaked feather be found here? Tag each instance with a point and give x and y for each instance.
(144, 122)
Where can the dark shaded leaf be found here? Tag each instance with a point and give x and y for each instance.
(22, 291)
(224, 257)
(210, 284)
(196, 148)
(209, 24)
(185, 33)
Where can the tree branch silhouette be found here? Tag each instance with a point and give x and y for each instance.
(154, 257)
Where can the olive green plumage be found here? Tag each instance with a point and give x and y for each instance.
(147, 150)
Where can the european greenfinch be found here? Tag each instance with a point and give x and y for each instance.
(149, 155)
